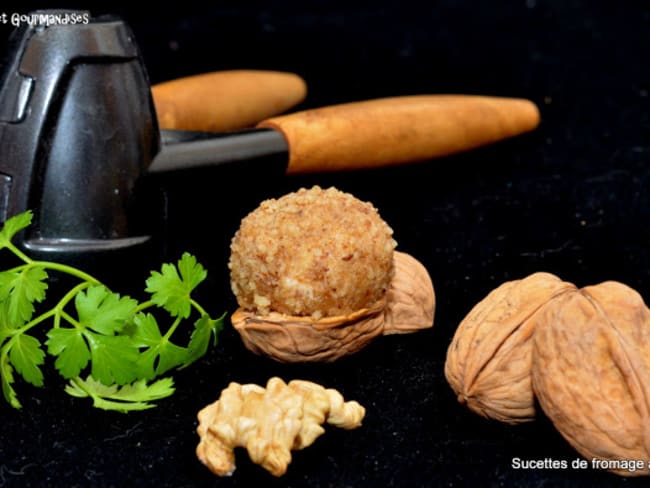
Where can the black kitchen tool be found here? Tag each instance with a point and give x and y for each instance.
(78, 130)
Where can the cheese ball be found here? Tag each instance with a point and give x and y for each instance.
(315, 252)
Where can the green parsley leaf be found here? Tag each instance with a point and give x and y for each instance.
(146, 332)
(114, 358)
(26, 356)
(71, 350)
(6, 329)
(162, 358)
(136, 396)
(161, 355)
(204, 329)
(21, 289)
(111, 337)
(12, 226)
(170, 290)
(103, 311)
(7, 378)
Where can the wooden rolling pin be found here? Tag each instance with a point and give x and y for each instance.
(226, 100)
(398, 130)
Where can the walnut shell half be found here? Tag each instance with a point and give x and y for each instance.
(591, 374)
(488, 362)
(408, 306)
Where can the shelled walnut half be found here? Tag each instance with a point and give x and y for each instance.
(269, 422)
(317, 277)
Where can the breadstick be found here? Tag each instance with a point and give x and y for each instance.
(226, 100)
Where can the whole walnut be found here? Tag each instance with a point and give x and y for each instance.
(591, 373)
(489, 360)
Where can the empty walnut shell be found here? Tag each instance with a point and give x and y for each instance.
(409, 305)
(591, 373)
(488, 362)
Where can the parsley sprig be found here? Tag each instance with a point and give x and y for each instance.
(111, 348)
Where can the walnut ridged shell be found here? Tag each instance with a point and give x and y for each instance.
(591, 372)
(411, 299)
(294, 339)
(408, 305)
(488, 362)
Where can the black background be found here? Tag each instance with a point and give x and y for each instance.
(570, 198)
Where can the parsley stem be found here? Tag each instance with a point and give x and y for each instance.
(143, 306)
(65, 300)
(64, 268)
(32, 323)
(70, 319)
(172, 328)
(19, 268)
(198, 307)
(19, 253)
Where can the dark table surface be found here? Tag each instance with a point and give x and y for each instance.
(570, 198)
